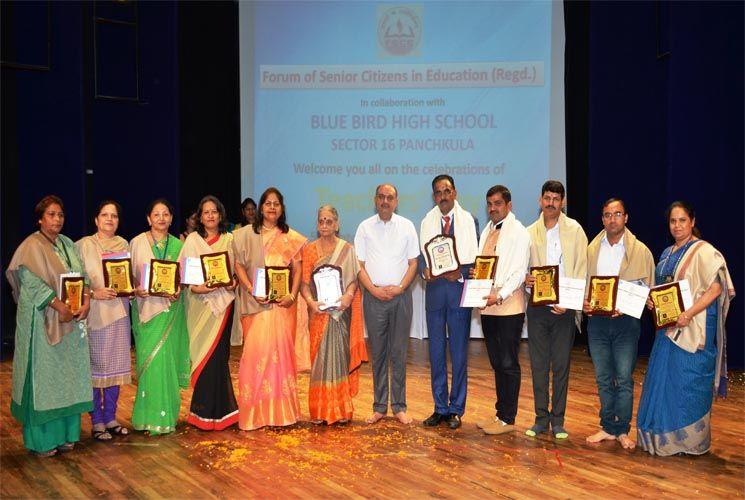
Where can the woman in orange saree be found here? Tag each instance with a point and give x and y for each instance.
(337, 343)
(267, 377)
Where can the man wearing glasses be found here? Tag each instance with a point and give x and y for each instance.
(442, 302)
(555, 240)
(387, 248)
(613, 340)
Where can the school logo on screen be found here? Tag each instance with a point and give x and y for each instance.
(399, 30)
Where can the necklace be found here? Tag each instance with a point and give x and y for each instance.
(267, 228)
(57, 249)
(159, 245)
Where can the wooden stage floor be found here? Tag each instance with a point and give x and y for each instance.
(384, 460)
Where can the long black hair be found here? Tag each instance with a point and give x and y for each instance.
(281, 222)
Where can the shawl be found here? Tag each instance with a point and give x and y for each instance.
(219, 299)
(573, 245)
(464, 232)
(573, 249)
(637, 263)
(103, 312)
(141, 251)
(35, 253)
(702, 265)
(513, 249)
(249, 252)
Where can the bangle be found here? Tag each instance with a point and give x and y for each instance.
(292, 296)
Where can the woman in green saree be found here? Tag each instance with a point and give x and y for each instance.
(159, 327)
(51, 366)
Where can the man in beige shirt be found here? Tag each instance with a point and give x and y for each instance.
(502, 318)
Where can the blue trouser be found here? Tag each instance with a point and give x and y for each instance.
(458, 322)
(613, 345)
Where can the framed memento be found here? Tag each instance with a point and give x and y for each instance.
(602, 294)
(216, 269)
(277, 282)
(545, 290)
(328, 286)
(442, 256)
(485, 267)
(72, 292)
(165, 278)
(668, 304)
(117, 274)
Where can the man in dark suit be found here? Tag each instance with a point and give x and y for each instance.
(442, 302)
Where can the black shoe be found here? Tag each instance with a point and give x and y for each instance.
(453, 421)
(434, 420)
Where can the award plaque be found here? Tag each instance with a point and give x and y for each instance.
(277, 282)
(164, 278)
(72, 293)
(117, 274)
(216, 268)
(546, 288)
(668, 304)
(602, 294)
(442, 256)
(484, 267)
(328, 286)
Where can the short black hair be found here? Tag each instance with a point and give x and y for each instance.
(614, 200)
(442, 177)
(553, 187)
(502, 190)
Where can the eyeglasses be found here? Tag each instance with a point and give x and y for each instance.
(326, 222)
(614, 215)
(389, 198)
(444, 192)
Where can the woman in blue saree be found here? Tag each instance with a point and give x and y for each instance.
(688, 361)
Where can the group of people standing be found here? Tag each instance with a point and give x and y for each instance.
(67, 364)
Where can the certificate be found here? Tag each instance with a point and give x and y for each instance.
(546, 287)
(164, 278)
(259, 282)
(71, 291)
(191, 271)
(572, 293)
(668, 304)
(216, 269)
(442, 256)
(484, 267)
(602, 294)
(474, 292)
(277, 282)
(328, 286)
(631, 298)
(117, 274)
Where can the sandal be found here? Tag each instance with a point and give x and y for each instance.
(102, 436)
(118, 430)
(65, 447)
(44, 454)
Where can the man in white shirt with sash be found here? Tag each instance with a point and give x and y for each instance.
(387, 248)
(613, 340)
(502, 318)
(555, 240)
(442, 303)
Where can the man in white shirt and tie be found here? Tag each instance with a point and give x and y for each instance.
(387, 248)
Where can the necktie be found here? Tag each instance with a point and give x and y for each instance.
(446, 228)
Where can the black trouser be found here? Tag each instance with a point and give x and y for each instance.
(502, 335)
(550, 339)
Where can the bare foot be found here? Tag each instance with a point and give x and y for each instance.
(626, 442)
(601, 436)
(403, 417)
(374, 417)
